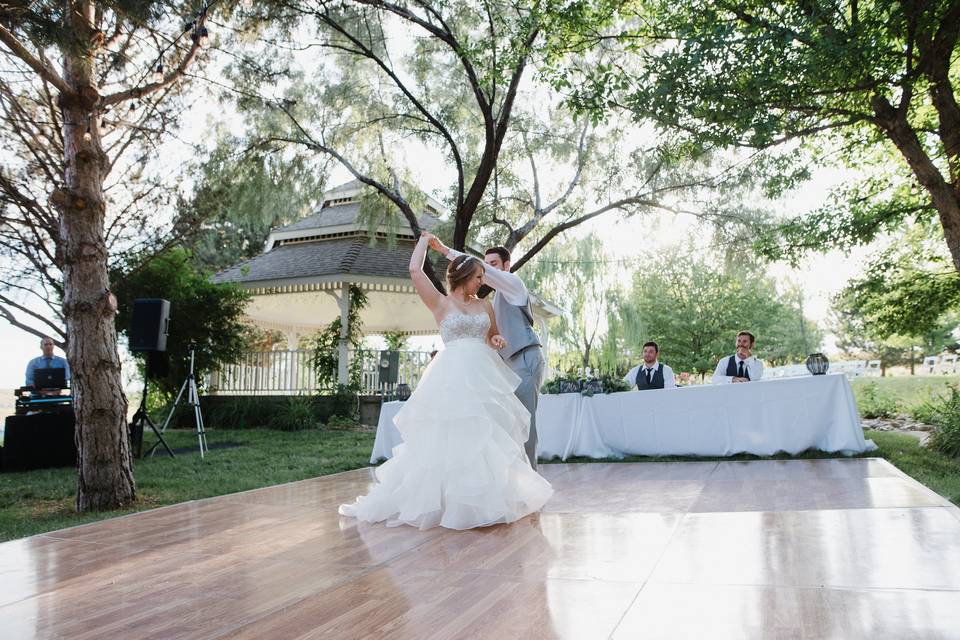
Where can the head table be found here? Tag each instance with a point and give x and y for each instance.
(763, 418)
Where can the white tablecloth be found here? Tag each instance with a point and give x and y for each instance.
(387, 434)
(763, 418)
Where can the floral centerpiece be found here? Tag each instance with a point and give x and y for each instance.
(572, 382)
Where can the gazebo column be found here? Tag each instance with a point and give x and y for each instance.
(343, 355)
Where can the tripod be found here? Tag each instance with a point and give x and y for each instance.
(193, 400)
(141, 417)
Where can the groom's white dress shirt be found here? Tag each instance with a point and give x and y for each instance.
(669, 380)
(753, 366)
(507, 284)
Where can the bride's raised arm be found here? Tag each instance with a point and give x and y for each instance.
(428, 293)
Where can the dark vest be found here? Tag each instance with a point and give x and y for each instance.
(657, 382)
(732, 368)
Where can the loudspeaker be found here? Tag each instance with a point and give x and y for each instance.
(151, 320)
(389, 367)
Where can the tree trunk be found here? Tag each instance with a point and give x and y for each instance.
(105, 473)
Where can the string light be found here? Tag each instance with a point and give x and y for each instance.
(87, 135)
(202, 36)
(198, 33)
(247, 4)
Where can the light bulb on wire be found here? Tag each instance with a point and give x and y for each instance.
(158, 73)
(202, 36)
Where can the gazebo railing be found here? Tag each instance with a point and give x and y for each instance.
(291, 373)
(265, 373)
(411, 367)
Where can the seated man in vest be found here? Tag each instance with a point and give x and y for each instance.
(652, 374)
(741, 366)
(46, 361)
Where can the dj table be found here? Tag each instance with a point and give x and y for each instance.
(40, 435)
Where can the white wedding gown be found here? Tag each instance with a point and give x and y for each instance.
(462, 463)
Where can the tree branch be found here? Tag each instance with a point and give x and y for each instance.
(368, 53)
(138, 92)
(45, 72)
(12, 320)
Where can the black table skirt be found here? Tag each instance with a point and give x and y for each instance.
(38, 441)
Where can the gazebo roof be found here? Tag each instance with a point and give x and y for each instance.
(330, 249)
(334, 217)
(351, 255)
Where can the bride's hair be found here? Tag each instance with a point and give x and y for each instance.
(461, 269)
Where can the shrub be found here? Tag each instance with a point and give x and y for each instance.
(873, 404)
(944, 413)
(927, 409)
(258, 412)
(296, 414)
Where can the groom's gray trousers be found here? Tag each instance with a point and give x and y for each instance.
(529, 365)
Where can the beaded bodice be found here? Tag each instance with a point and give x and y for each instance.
(456, 326)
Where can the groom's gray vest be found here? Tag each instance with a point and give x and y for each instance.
(515, 324)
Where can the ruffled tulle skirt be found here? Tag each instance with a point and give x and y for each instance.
(462, 463)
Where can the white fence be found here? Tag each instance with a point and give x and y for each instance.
(291, 373)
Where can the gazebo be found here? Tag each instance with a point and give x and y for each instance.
(300, 283)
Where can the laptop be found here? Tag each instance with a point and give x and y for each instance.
(52, 378)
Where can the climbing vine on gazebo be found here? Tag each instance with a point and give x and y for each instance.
(326, 359)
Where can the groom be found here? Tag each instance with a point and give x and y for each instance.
(511, 306)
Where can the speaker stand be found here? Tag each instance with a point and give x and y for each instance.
(193, 400)
(141, 418)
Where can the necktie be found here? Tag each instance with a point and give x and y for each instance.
(649, 375)
(740, 370)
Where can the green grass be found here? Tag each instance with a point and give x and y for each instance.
(906, 391)
(43, 500)
(937, 471)
(39, 501)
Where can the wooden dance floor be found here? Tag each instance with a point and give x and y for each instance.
(776, 549)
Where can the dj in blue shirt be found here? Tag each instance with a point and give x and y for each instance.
(46, 361)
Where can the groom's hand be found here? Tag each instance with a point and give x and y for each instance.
(436, 245)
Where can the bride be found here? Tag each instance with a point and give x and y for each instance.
(462, 462)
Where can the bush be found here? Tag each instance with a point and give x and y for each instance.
(345, 403)
(873, 404)
(944, 414)
(925, 412)
(927, 409)
(258, 412)
(296, 414)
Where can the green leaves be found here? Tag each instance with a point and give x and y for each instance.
(693, 309)
(910, 289)
(209, 314)
(758, 73)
